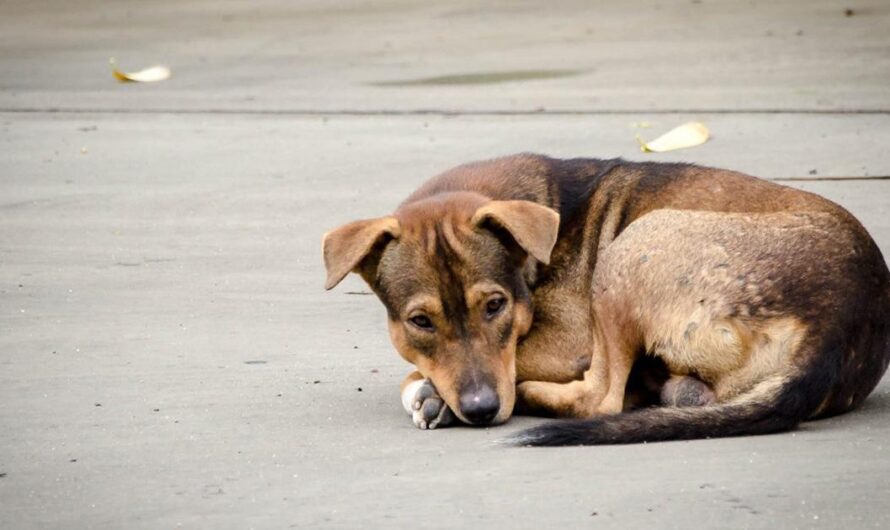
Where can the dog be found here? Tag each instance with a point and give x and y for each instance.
(592, 289)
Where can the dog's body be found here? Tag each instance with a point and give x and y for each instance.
(766, 304)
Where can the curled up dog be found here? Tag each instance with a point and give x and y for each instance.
(644, 301)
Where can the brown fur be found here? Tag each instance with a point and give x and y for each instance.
(737, 284)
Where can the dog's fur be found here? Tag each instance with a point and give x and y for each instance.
(575, 288)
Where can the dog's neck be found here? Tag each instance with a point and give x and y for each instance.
(577, 181)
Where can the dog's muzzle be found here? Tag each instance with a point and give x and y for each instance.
(479, 404)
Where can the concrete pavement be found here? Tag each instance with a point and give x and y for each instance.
(168, 355)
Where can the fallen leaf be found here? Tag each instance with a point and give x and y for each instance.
(151, 74)
(686, 135)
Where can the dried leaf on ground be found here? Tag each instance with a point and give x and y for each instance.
(152, 74)
(686, 135)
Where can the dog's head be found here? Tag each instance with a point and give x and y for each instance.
(451, 270)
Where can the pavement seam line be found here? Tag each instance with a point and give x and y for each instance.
(835, 179)
(437, 112)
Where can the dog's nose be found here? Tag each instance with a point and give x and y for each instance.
(480, 405)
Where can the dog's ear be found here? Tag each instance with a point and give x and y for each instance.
(346, 247)
(534, 227)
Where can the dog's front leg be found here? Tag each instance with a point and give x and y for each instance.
(420, 399)
(602, 389)
(576, 399)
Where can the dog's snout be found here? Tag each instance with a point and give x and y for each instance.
(479, 405)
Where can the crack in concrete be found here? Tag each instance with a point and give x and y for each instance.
(822, 179)
(436, 112)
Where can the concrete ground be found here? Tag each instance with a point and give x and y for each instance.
(169, 357)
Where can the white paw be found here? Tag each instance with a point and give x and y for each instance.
(426, 407)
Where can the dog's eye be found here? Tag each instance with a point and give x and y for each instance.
(422, 321)
(494, 306)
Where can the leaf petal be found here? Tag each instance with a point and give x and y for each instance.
(686, 135)
(151, 74)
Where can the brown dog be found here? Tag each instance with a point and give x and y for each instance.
(577, 288)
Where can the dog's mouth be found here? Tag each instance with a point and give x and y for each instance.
(479, 387)
(495, 418)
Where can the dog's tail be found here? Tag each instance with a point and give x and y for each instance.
(778, 403)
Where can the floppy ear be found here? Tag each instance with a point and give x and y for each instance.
(534, 227)
(346, 247)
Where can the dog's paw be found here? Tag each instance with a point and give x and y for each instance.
(686, 391)
(428, 410)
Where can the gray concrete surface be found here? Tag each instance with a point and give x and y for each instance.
(168, 355)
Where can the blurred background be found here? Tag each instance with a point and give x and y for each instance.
(401, 56)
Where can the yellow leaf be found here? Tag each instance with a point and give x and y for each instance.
(686, 135)
(151, 74)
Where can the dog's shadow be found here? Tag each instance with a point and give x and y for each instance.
(877, 403)
(875, 408)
